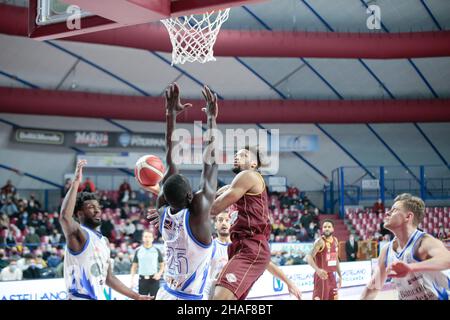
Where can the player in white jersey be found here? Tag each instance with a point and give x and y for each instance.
(414, 259)
(185, 217)
(87, 269)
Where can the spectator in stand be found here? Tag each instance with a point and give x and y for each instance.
(54, 260)
(66, 188)
(10, 238)
(107, 226)
(59, 270)
(378, 207)
(33, 221)
(9, 208)
(286, 221)
(14, 254)
(106, 203)
(306, 204)
(351, 248)
(306, 219)
(312, 229)
(32, 272)
(125, 212)
(87, 186)
(122, 264)
(137, 235)
(315, 216)
(293, 192)
(3, 261)
(302, 234)
(441, 235)
(133, 202)
(144, 196)
(11, 273)
(40, 262)
(4, 221)
(33, 204)
(130, 228)
(32, 239)
(3, 235)
(55, 238)
(124, 188)
(285, 201)
(22, 219)
(24, 262)
(8, 189)
(278, 227)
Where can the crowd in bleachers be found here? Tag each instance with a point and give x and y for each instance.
(32, 241)
(367, 223)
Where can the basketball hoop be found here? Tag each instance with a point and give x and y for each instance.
(193, 36)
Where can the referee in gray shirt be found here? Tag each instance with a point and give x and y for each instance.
(148, 263)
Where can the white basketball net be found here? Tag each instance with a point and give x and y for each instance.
(193, 36)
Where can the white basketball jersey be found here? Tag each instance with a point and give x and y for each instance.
(419, 285)
(219, 259)
(85, 272)
(218, 262)
(187, 260)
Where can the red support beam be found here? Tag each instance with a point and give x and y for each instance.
(154, 37)
(188, 7)
(95, 105)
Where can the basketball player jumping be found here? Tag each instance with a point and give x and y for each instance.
(184, 220)
(87, 266)
(414, 259)
(324, 259)
(220, 257)
(249, 251)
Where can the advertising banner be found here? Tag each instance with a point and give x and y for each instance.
(353, 273)
(89, 139)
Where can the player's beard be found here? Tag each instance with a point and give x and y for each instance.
(224, 234)
(328, 234)
(236, 170)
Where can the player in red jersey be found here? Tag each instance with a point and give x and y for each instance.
(324, 258)
(249, 252)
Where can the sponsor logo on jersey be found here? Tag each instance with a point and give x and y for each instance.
(231, 277)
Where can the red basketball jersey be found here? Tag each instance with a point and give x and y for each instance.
(252, 216)
(326, 259)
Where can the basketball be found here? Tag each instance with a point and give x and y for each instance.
(149, 170)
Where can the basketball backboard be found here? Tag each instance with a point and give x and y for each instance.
(52, 19)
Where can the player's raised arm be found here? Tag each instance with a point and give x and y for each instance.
(208, 180)
(173, 108)
(204, 198)
(72, 230)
